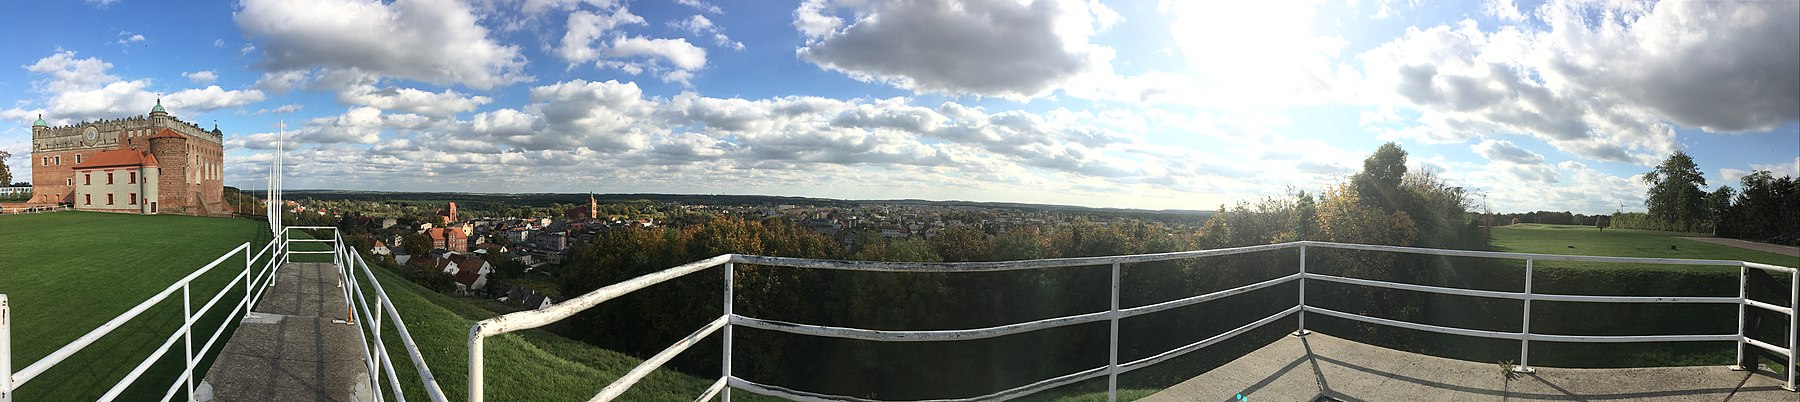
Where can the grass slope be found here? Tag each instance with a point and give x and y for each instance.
(67, 273)
(531, 365)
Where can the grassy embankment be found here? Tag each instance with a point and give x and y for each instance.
(531, 365)
(67, 273)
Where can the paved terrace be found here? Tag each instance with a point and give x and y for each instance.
(294, 346)
(1318, 367)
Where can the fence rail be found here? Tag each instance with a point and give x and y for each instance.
(532, 319)
(11, 381)
(265, 264)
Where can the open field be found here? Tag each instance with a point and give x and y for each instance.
(1587, 240)
(67, 273)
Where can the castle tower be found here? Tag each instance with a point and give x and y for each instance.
(170, 151)
(593, 207)
(38, 127)
(158, 116)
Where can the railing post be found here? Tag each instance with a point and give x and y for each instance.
(1112, 355)
(1743, 310)
(249, 281)
(725, 365)
(1301, 331)
(1793, 328)
(475, 369)
(6, 373)
(187, 335)
(1525, 325)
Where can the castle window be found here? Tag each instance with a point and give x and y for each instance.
(131, 178)
(69, 181)
(109, 178)
(46, 161)
(87, 199)
(109, 200)
(87, 179)
(133, 198)
(59, 160)
(77, 158)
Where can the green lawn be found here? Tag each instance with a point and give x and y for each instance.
(1588, 240)
(67, 273)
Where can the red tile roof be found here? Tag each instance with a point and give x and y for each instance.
(116, 158)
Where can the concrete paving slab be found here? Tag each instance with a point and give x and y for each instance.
(293, 347)
(1322, 367)
(304, 290)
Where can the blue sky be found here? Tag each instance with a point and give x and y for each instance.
(1557, 105)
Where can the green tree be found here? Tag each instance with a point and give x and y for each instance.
(415, 244)
(1675, 197)
(1379, 181)
(1718, 204)
(5, 172)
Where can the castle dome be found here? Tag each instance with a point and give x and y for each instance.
(158, 108)
(40, 122)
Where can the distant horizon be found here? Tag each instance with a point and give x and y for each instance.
(860, 200)
(1558, 105)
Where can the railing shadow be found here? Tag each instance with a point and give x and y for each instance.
(1505, 390)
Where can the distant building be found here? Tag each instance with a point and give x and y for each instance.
(590, 212)
(451, 239)
(380, 248)
(171, 166)
(447, 215)
(552, 242)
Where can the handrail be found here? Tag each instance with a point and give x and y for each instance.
(537, 318)
(375, 352)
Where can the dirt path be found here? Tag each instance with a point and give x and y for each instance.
(1763, 247)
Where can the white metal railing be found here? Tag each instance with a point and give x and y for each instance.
(11, 381)
(376, 358)
(537, 318)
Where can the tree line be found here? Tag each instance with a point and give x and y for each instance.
(1762, 208)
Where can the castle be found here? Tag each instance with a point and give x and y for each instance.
(145, 164)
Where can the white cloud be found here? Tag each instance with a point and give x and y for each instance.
(682, 57)
(210, 98)
(1731, 175)
(1718, 67)
(701, 5)
(82, 89)
(985, 47)
(1505, 151)
(433, 41)
(585, 28)
(202, 77)
(411, 100)
(700, 26)
(1504, 10)
(283, 109)
(281, 81)
(128, 38)
(218, 43)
